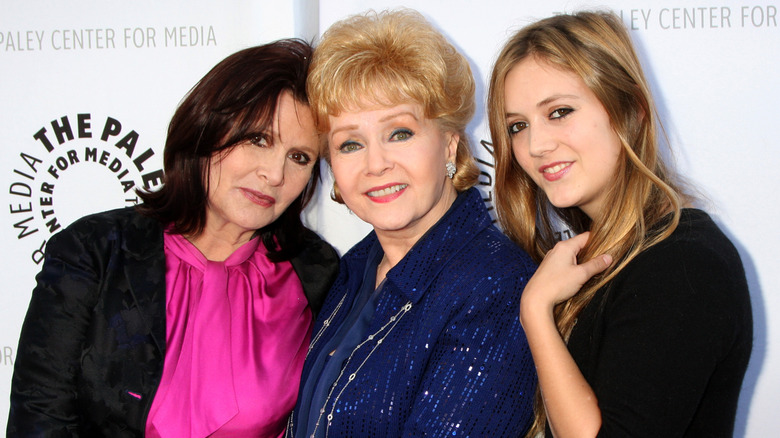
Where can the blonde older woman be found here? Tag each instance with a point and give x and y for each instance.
(419, 335)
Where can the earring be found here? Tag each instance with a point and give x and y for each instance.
(450, 166)
(335, 193)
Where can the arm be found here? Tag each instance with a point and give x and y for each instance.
(479, 380)
(43, 394)
(667, 327)
(570, 403)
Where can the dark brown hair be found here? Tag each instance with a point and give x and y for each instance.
(236, 99)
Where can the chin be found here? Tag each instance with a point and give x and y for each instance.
(385, 225)
(561, 202)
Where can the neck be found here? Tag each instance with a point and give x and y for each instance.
(218, 247)
(381, 271)
(397, 243)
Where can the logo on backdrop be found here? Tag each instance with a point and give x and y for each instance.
(701, 17)
(75, 165)
(75, 39)
(487, 169)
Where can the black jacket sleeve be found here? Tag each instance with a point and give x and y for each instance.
(43, 394)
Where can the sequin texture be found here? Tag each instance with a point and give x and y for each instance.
(457, 363)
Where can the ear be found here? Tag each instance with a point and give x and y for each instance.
(452, 146)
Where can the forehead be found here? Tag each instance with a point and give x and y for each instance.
(376, 112)
(532, 80)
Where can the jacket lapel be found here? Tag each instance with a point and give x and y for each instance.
(414, 274)
(142, 244)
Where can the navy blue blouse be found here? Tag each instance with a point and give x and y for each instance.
(443, 352)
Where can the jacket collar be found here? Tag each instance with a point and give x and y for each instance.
(413, 275)
(432, 253)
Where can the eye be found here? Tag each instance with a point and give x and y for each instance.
(260, 140)
(561, 113)
(516, 127)
(298, 157)
(401, 134)
(349, 146)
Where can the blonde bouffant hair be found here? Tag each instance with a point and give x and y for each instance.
(596, 47)
(393, 57)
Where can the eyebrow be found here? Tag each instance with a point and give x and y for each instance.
(382, 120)
(546, 101)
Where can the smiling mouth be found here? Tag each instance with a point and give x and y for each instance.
(555, 169)
(386, 191)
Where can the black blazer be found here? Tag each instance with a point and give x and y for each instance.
(92, 344)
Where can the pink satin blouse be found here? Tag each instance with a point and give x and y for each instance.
(237, 335)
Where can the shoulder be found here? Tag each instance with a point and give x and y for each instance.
(317, 266)
(316, 250)
(697, 251)
(354, 261)
(490, 252)
(356, 256)
(119, 227)
(695, 276)
(486, 276)
(351, 263)
(112, 220)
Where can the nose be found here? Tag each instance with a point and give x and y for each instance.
(377, 160)
(272, 168)
(540, 140)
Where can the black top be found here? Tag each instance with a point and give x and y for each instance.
(666, 343)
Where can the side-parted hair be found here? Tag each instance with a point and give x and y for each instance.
(393, 57)
(235, 101)
(596, 47)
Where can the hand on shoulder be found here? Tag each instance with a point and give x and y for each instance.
(559, 276)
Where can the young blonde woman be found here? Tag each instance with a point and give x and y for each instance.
(641, 324)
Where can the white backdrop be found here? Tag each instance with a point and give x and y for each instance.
(87, 89)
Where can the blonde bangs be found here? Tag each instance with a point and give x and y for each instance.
(388, 58)
(383, 59)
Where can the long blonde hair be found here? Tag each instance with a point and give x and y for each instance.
(596, 47)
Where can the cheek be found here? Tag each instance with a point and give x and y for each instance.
(613, 153)
(294, 184)
(298, 179)
(422, 161)
(343, 172)
(522, 157)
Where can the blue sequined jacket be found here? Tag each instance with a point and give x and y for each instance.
(448, 355)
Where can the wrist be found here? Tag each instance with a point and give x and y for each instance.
(534, 308)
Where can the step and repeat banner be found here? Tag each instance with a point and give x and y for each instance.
(87, 89)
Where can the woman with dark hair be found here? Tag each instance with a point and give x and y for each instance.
(189, 315)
